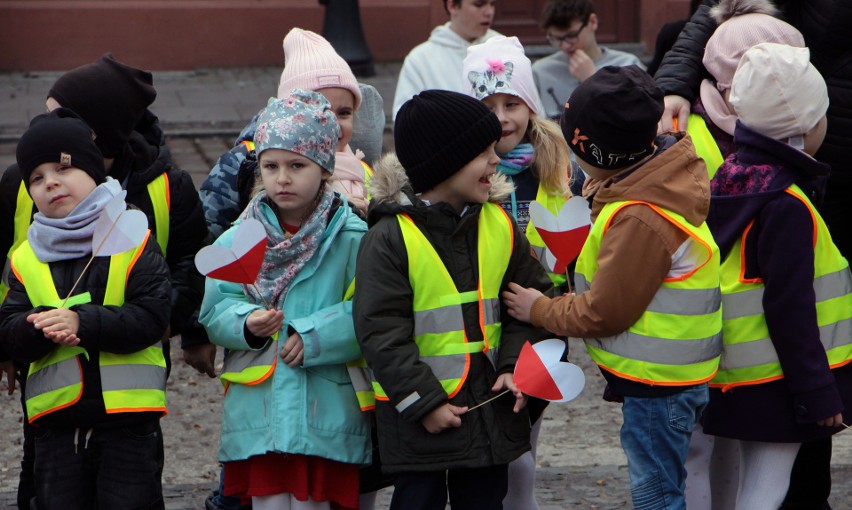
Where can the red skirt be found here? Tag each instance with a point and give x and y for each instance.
(302, 476)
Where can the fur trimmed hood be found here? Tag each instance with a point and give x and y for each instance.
(727, 9)
(389, 184)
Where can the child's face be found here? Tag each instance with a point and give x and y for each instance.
(471, 18)
(471, 184)
(292, 182)
(514, 116)
(56, 189)
(343, 105)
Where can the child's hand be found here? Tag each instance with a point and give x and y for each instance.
(55, 320)
(834, 421)
(293, 350)
(443, 417)
(63, 338)
(507, 381)
(519, 301)
(264, 323)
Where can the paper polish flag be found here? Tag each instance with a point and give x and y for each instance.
(118, 228)
(241, 262)
(540, 372)
(563, 234)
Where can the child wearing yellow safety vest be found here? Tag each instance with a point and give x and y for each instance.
(293, 434)
(647, 279)
(427, 309)
(95, 388)
(535, 158)
(784, 377)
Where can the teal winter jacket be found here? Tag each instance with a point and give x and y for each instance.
(310, 409)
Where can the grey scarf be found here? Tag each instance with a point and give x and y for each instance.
(68, 238)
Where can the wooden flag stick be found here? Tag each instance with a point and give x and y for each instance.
(489, 400)
(265, 302)
(89, 263)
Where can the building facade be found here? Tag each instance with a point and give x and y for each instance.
(162, 35)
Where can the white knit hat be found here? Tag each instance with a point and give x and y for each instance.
(778, 92)
(735, 36)
(310, 63)
(499, 66)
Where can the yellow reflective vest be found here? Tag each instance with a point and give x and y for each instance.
(439, 329)
(677, 341)
(158, 190)
(705, 145)
(552, 203)
(749, 356)
(133, 382)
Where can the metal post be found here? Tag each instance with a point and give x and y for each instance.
(342, 28)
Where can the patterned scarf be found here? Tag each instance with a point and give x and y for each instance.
(286, 254)
(68, 238)
(517, 160)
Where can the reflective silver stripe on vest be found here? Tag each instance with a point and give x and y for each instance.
(580, 283)
(540, 253)
(673, 301)
(359, 378)
(446, 367)
(237, 360)
(438, 320)
(491, 311)
(133, 377)
(686, 301)
(447, 319)
(53, 377)
(750, 302)
(742, 304)
(660, 351)
(761, 352)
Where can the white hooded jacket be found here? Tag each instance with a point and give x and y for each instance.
(434, 64)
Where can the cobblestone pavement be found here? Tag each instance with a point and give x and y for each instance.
(580, 461)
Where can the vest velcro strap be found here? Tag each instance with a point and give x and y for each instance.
(658, 350)
(686, 301)
(471, 296)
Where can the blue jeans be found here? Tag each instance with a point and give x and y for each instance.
(655, 438)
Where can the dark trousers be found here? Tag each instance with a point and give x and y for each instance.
(810, 480)
(99, 469)
(469, 489)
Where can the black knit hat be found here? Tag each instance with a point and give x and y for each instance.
(59, 137)
(110, 96)
(611, 119)
(437, 132)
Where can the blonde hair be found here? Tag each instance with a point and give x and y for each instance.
(552, 157)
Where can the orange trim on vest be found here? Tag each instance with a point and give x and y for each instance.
(657, 383)
(671, 220)
(743, 279)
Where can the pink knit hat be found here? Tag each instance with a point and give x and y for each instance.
(737, 35)
(310, 63)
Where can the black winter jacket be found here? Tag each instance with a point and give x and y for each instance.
(490, 435)
(145, 158)
(139, 323)
(825, 26)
